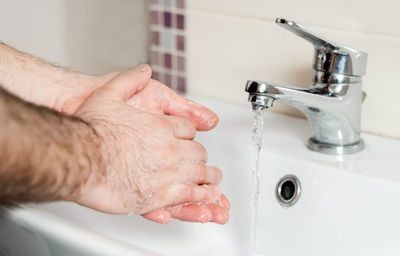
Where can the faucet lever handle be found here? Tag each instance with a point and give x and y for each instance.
(329, 57)
(305, 34)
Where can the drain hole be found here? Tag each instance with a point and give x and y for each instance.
(288, 190)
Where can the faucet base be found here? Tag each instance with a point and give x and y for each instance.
(332, 149)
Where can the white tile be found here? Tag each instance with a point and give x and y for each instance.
(167, 40)
(225, 51)
(367, 15)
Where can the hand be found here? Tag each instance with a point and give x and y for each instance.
(149, 160)
(158, 98)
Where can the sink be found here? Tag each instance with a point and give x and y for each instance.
(348, 205)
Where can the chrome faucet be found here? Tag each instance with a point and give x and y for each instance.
(332, 104)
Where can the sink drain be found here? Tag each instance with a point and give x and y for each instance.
(288, 190)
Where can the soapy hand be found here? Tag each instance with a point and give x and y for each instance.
(150, 163)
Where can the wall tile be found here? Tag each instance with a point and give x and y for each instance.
(180, 21)
(180, 43)
(180, 63)
(180, 4)
(369, 16)
(225, 51)
(167, 19)
(154, 17)
(167, 42)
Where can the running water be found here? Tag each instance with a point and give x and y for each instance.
(257, 133)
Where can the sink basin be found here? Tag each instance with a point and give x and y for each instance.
(348, 205)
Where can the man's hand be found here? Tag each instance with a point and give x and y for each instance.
(158, 98)
(41, 83)
(151, 161)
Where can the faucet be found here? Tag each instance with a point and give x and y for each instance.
(332, 104)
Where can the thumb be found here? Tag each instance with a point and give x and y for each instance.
(129, 82)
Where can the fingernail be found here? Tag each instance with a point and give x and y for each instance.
(142, 67)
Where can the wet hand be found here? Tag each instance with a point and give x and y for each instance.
(149, 160)
(158, 98)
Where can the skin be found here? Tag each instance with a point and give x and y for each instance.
(145, 160)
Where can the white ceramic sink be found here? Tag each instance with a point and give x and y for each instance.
(348, 205)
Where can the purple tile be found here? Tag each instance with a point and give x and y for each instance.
(180, 63)
(154, 58)
(155, 76)
(167, 60)
(167, 80)
(180, 43)
(180, 21)
(154, 18)
(180, 4)
(155, 38)
(181, 84)
(167, 19)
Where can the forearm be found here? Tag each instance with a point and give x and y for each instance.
(38, 81)
(44, 155)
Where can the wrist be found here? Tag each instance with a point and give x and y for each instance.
(89, 161)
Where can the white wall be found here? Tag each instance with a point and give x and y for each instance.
(93, 36)
(231, 41)
(35, 26)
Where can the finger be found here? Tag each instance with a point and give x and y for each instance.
(200, 213)
(174, 104)
(199, 173)
(192, 213)
(219, 214)
(192, 151)
(162, 216)
(183, 128)
(192, 194)
(129, 82)
(225, 202)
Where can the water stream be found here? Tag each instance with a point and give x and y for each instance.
(257, 133)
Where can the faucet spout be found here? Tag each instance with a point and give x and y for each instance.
(332, 109)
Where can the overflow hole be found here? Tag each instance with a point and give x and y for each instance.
(288, 190)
